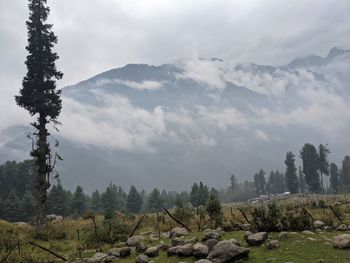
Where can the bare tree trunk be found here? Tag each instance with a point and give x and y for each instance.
(43, 171)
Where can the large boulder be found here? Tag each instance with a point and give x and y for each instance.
(200, 250)
(141, 247)
(318, 224)
(257, 239)
(133, 241)
(98, 257)
(53, 218)
(227, 251)
(342, 227)
(120, 252)
(341, 241)
(152, 252)
(272, 244)
(178, 232)
(142, 259)
(211, 234)
(247, 234)
(203, 261)
(210, 243)
(177, 241)
(181, 251)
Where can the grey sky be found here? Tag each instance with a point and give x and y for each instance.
(97, 35)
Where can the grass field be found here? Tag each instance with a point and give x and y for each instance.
(63, 239)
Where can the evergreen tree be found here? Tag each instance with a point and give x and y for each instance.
(58, 202)
(345, 178)
(27, 207)
(95, 202)
(11, 209)
(233, 182)
(310, 159)
(323, 152)
(291, 176)
(260, 182)
(109, 198)
(199, 194)
(79, 201)
(214, 210)
(302, 183)
(39, 95)
(334, 178)
(155, 202)
(134, 201)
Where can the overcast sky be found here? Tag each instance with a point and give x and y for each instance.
(98, 35)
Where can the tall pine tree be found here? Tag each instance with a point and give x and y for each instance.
(40, 97)
(334, 178)
(134, 201)
(310, 159)
(323, 152)
(291, 175)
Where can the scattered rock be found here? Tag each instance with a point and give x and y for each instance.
(120, 252)
(54, 218)
(227, 251)
(200, 250)
(97, 257)
(133, 241)
(211, 234)
(341, 241)
(142, 259)
(178, 232)
(203, 261)
(177, 241)
(110, 259)
(247, 234)
(272, 244)
(328, 228)
(308, 232)
(210, 243)
(141, 247)
(152, 252)
(342, 227)
(257, 239)
(182, 251)
(318, 224)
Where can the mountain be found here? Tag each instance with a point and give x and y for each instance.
(201, 119)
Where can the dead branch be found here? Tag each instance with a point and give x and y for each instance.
(137, 225)
(48, 250)
(177, 221)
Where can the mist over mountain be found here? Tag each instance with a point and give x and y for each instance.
(201, 119)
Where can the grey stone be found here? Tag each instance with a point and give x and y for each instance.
(318, 224)
(211, 234)
(178, 232)
(152, 252)
(341, 241)
(257, 239)
(342, 227)
(272, 244)
(142, 259)
(227, 251)
(200, 250)
(141, 247)
(177, 241)
(133, 241)
(210, 243)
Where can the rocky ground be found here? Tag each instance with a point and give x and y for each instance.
(324, 244)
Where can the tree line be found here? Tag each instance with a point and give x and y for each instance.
(309, 177)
